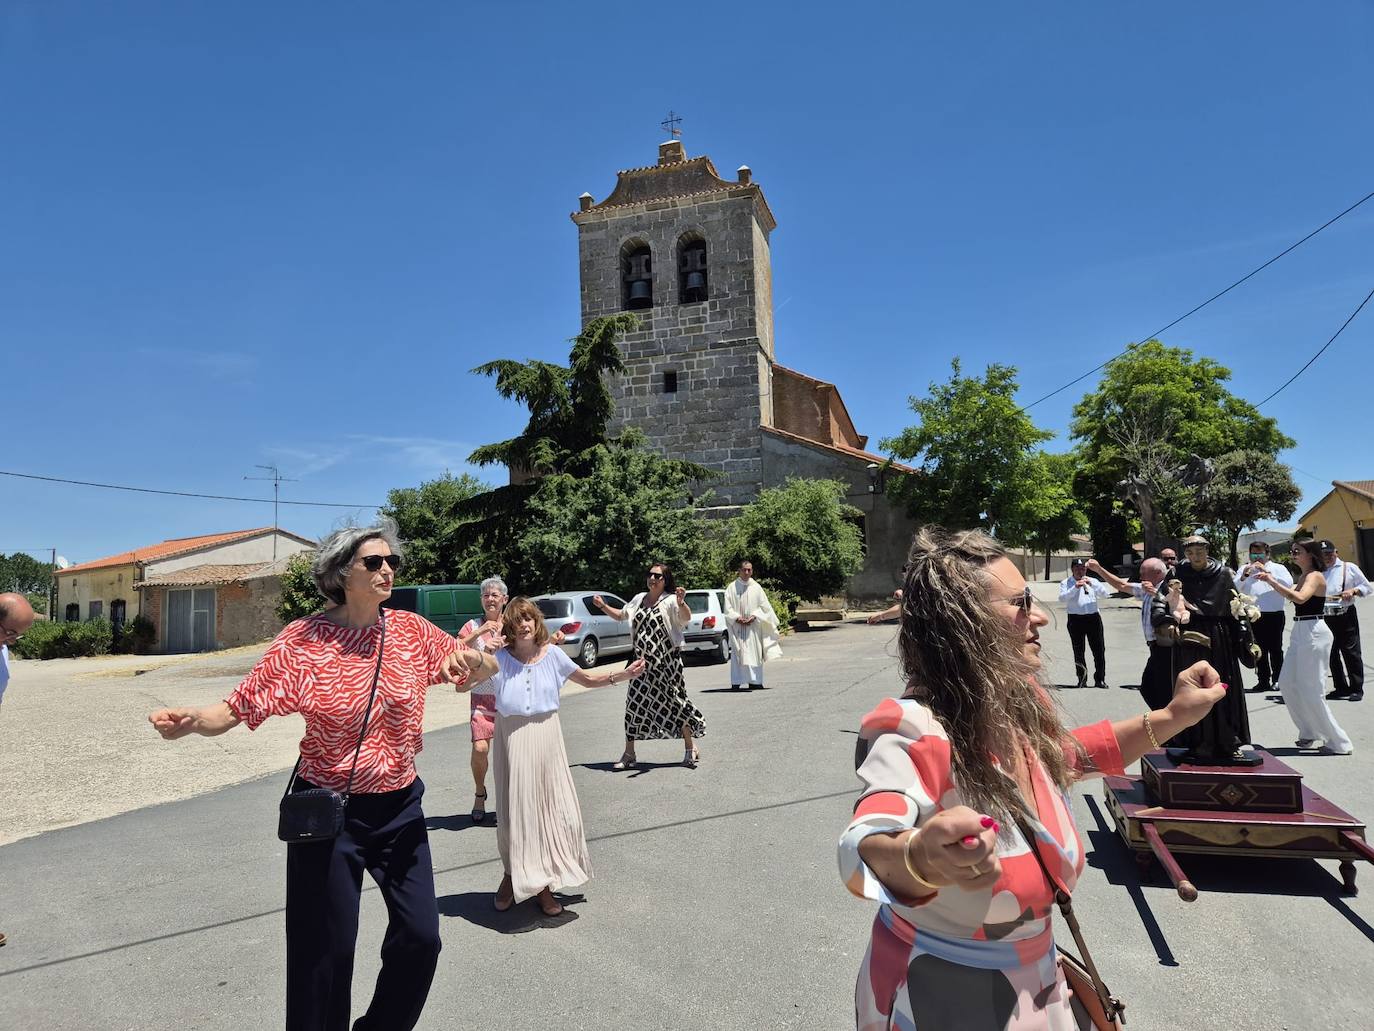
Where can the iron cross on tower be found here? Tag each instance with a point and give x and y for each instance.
(672, 125)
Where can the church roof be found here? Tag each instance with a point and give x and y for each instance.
(840, 449)
(676, 177)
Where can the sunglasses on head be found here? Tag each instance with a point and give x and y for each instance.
(655, 576)
(372, 563)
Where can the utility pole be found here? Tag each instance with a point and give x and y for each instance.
(277, 480)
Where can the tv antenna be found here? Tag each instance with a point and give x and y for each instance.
(277, 480)
(672, 125)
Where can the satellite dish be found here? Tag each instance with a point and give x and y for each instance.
(62, 562)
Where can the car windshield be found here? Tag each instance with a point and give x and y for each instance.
(554, 608)
(698, 602)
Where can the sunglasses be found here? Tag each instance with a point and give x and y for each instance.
(1024, 601)
(372, 563)
(655, 576)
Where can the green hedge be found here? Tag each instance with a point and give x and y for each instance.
(46, 640)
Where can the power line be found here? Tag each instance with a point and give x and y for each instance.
(179, 493)
(1194, 311)
(1319, 350)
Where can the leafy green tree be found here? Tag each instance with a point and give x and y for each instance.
(1249, 487)
(604, 527)
(1047, 514)
(299, 595)
(973, 451)
(438, 544)
(24, 574)
(1154, 407)
(801, 537)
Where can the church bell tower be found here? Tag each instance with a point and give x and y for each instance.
(687, 251)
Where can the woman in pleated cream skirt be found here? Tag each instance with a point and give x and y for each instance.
(543, 847)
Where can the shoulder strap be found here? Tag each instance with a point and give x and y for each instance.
(376, 675)
(1065, 903)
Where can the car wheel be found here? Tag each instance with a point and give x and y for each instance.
(723, 648)
(587, 656)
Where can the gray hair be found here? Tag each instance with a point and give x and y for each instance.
(494, 581)
(335, 554)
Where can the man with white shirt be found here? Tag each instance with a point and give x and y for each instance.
(1344, 583)
(1156, 684)
(16, 616)
(1269, 628)
(1079, 593)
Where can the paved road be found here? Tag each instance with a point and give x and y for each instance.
(716, 902)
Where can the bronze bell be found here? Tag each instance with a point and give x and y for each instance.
(641, 294)
(695, 287)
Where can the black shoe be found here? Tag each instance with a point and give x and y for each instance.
(1259, 689)
(734, 687)
(1336, 696)
(1355, 696)
(1101, 683)
(1082, 681)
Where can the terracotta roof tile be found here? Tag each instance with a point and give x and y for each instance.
(165, 549)
(210, 575)
(1365, 487)
(841, 449)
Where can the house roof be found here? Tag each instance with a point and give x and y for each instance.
(839, 449)
(1364, 488)
(674, 180)
(211, 574)
(167, 549)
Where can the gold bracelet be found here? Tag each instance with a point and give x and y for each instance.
(911, 867)
(1150, 731)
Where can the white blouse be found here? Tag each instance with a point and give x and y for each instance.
(530, 689)
(667, 604)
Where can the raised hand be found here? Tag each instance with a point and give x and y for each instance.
(681, 593)
(596, 600)
(1197, 689)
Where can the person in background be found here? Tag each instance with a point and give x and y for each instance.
(485, 635)
(323, 667)
(1344, 583)
(16, 616)
(543, 847)
(1156, 687)
(1079, 593)
(1170, 559)
(892, 611)
(753, 627)
(972, 752)
(1268, 629)
(1309, 653)
(656, 703)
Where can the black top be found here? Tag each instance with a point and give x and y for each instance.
(1311, 607)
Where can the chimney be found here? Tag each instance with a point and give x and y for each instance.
(585, 202)
(671, 152)
(745, 175)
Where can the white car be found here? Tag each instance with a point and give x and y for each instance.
(706, 631)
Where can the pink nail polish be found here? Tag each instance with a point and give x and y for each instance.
(968, 841)
(1225, 687)
(988, 821)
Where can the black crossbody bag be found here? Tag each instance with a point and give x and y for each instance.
(317, 814)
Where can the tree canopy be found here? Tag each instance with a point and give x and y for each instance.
(1154, 407)
(1249, 487)
(435, 530)
(975, 455)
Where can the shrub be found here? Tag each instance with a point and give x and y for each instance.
(784, 602)
(47, 640)
(137, 636)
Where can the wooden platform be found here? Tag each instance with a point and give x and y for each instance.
(1318, 829)
(1270, 787)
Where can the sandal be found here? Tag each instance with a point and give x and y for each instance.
(545, 899)
(479, 811)
(505, 895)
(627, 762)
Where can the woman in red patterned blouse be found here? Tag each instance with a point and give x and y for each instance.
(322, 667)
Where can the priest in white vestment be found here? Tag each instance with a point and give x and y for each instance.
(753, 627)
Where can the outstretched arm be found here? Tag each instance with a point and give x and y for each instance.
(1116, 582)
(600, 602)
(586, 679)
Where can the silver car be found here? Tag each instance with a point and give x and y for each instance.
(588, 633)
(706, 632)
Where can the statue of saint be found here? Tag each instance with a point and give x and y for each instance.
(1203, 617)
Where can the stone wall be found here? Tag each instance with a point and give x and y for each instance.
(717, 349)
(887, 529)
(246, 613)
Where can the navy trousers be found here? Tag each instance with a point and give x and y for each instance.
(385, 835)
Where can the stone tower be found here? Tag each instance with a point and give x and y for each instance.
(688, 252)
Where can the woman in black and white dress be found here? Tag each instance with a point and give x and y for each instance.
(656, 704)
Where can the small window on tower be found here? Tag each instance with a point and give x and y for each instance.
(670, 382)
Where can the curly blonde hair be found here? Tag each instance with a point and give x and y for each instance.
(959, 659)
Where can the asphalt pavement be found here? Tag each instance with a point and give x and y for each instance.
(715, 903)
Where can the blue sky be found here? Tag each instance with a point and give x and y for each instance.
(234, 234)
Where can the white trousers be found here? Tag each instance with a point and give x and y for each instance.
(1303, 682)
(741, 673)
